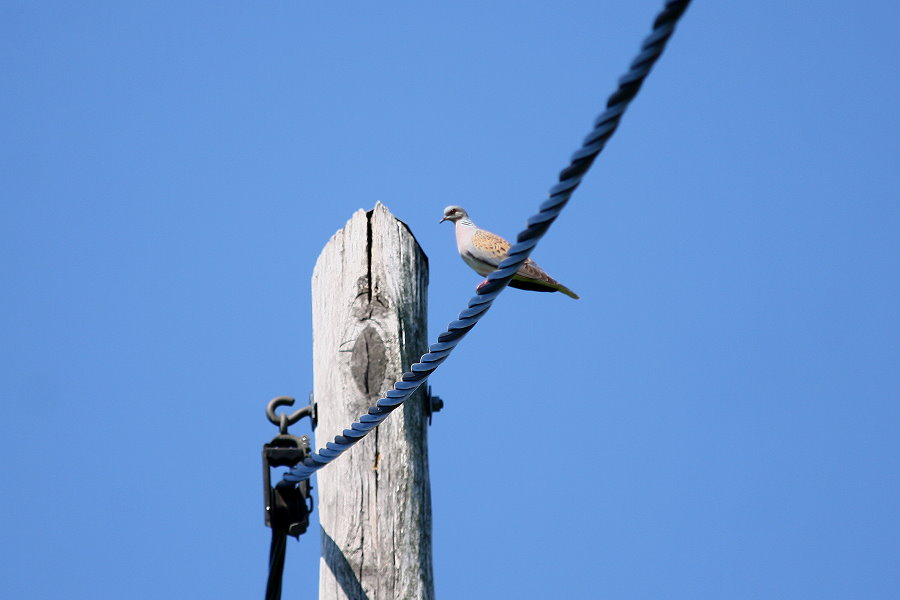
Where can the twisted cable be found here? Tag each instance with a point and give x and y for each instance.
(569, 179)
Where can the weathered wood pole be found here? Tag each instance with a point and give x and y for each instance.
(369, 324)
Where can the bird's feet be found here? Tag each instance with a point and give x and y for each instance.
(482, 284)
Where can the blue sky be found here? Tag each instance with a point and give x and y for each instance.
(716, 418)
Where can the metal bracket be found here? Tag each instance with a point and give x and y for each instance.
(283, 420)
(433, 404)
(287, 505)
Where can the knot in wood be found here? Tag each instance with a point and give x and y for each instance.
(368, 362)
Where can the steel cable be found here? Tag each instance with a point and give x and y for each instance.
(569, 179)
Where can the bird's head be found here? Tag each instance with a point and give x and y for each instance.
(454, 214)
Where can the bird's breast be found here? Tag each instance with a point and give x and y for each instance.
(480, 267)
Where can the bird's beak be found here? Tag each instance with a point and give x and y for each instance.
(442, 220)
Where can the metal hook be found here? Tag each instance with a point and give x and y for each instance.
(282, 419)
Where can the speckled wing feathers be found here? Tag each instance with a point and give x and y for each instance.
(489, 247)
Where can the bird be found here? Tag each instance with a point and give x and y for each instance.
(483, 251)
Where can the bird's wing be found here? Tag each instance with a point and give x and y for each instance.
(488, 248)
(531, 270)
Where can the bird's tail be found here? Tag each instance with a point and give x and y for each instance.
(567, 291)
(547, 285)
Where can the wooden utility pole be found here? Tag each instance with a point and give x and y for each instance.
(369, 324)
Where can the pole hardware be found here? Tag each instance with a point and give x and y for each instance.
(283, 420)
(433, 404)
(287, 505)
(286, 508)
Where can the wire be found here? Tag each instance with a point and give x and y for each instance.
(276, 564)
(569, 179)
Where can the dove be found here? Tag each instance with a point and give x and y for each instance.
(483, 251)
